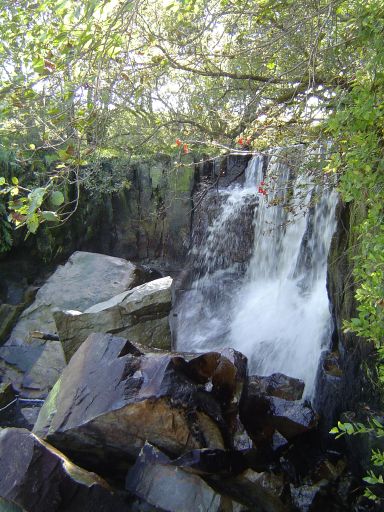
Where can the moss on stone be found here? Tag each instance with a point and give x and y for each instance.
(48, 411)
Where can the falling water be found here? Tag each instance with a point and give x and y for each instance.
(274, 308)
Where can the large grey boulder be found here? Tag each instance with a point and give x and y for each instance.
(86, 279)
(140, 314)
(111, 399)
(34, 365)
(34, 477)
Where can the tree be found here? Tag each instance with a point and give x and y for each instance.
(127, 78)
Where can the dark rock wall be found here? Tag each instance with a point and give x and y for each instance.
(347, 370)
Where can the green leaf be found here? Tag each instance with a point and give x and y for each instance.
(50, 216)
(2, 180)
(35, 199)
(370, 480)
(15, 181)
(57, 198)
(32, 223)
(62, 154)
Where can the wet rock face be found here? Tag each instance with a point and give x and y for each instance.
(278, 385)
(140, 314)
(329, 390)
(33, 365)
(111, 399)
(271, 404)
(234, 251)
(42, 479)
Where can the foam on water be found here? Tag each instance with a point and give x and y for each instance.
(277, 312)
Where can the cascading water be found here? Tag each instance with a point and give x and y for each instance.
(273, 308)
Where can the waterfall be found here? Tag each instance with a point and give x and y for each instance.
(273, 307)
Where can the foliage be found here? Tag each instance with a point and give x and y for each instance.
(80, 81)
(357, 130)
(375, 480)
(5, 230)
(26, 206)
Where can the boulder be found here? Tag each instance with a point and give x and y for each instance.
(278, 441)
(263, 415)
(272, 405)
(40, 478)
(32, 368)
(163, 485)
(111, 399)
(278, 385)
(140, 314)
(86, 279)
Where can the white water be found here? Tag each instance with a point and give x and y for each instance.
(277, 313)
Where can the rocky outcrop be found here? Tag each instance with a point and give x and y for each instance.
(42, 479)
(33, 364)
(111, 398)
(151, 220)
(140, 314)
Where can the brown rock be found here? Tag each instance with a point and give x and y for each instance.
(112, 398)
